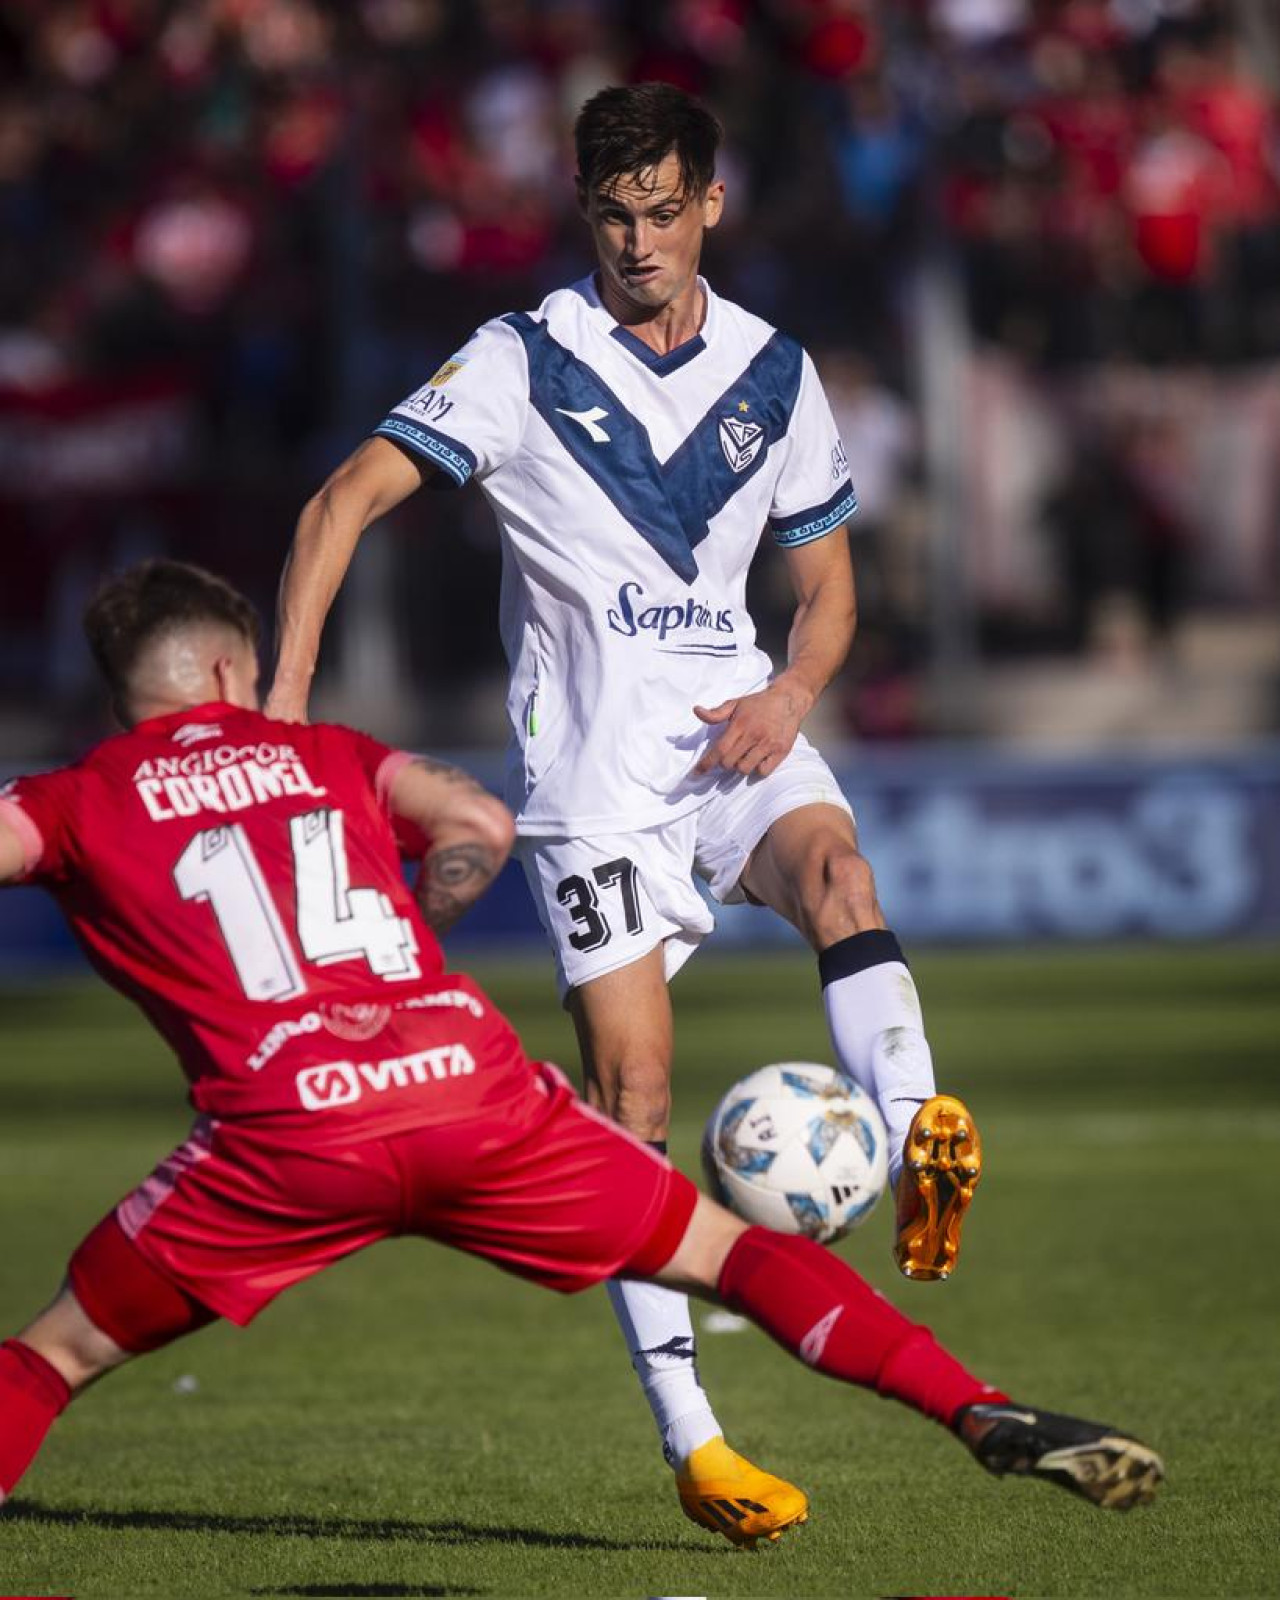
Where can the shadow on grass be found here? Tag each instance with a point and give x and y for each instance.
(345, 1591)
(293, 1525)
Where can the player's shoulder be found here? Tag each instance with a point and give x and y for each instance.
(560, 313)
(327, 735)
(735, 321)
(62, 789)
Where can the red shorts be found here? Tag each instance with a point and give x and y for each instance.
(553, 1192)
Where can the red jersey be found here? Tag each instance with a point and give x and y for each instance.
(240, 879)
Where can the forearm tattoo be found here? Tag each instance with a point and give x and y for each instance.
(451, 774)
(453, 879)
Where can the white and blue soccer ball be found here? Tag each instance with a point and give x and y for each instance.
(799, 1147)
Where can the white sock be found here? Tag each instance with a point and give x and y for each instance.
(873, 1013)
(656, 1325)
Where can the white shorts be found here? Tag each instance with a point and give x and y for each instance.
(609, 899)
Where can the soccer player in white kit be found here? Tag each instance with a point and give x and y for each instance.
(634, 436)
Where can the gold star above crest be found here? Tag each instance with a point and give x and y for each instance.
(743, 406)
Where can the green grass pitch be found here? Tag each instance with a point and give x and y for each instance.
(414, 1423)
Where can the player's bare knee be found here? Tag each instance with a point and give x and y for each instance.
(633, 1091)
(71, 1344)
(841, 898)
(700, 1256)
(642, 1101)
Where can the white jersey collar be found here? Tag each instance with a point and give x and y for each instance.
(673, 360)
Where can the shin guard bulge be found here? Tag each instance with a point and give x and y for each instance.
(817, 1307)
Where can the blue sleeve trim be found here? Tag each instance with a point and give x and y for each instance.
(447, 454)
(817, 520)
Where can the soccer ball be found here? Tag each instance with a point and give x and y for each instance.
(797, 1147)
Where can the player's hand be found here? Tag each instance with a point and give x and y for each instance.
(759, 730)
(285, 704)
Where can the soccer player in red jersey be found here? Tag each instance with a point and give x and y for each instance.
(240, 879)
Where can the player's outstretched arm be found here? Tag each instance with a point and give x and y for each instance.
(13, 859)
(761, 728)
(469, 833)
(366, 486)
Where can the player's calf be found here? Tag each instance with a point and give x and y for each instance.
(53, 1358)
(33, 1395)
(820, 1310)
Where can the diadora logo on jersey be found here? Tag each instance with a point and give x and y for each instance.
(341, 1083)
(740, 440)
(194, 732)
(590, 420)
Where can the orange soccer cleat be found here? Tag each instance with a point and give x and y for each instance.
(722, 1491)
(941, 1165)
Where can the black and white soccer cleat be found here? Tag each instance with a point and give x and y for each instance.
(1089, 1458)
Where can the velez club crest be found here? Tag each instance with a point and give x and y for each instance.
(740, 441)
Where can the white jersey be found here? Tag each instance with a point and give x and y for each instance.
(631, 490)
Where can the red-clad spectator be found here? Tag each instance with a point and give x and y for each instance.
(1172, 189)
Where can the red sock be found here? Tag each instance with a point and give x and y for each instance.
(32, 1395)
(817, 1306)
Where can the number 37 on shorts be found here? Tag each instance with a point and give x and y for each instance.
(605, 902)
(580, 894)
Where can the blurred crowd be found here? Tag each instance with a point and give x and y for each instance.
(236, 230)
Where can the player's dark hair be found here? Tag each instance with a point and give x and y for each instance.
(626, 130)
(155, 598)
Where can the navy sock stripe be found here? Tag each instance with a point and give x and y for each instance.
(859, 951)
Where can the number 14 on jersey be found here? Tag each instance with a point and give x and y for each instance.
(334, 921)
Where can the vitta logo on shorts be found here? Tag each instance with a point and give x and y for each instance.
(342, 1083)
(323, 1088)
(740, 441)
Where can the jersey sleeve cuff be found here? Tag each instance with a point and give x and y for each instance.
(817, 520)
(453, 459)
(29, 836)
(389, 770)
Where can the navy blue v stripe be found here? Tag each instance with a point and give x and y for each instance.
(668, 504)
(663, 365)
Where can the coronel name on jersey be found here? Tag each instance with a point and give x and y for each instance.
(222, 779)
(341, 1083)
